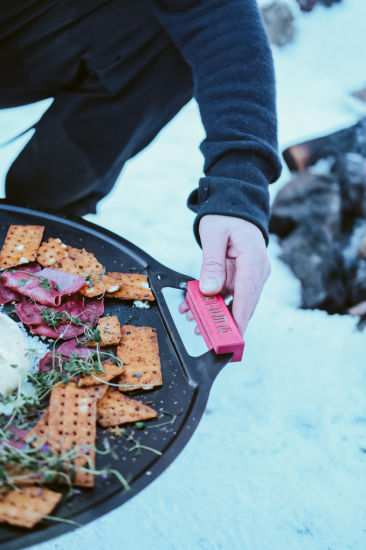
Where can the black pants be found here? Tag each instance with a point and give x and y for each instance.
(117, 80)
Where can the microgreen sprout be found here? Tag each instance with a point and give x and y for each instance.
(169, 421)
(122, 432)
(46, 467)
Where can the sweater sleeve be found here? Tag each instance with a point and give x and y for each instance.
(225, 44)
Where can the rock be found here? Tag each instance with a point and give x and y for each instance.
(278, 20)
(307, 197)
(307, 5)
(362, 249)
(313, 258)
(308, 153)
(329, 3)
(351, 170)
(356, 282)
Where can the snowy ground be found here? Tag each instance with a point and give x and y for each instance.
(277, 461)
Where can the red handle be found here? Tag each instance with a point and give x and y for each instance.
(215, 322)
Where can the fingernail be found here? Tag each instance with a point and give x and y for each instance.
(209, 285)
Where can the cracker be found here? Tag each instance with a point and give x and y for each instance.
(79, 262)
(111, 371)
(16, 471)
(28, 507)
(40, 430)
(72, 414)
(51, 253)
(21, 245)
(139, 353)
(97, 392)
(133, 286)
(110, 331)
(115, 408)
(100, 284)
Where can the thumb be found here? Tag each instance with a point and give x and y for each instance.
(213, 270)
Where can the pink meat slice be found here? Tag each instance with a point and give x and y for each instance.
(65, 332)
(65, 283)
(88, 310)
(30, 313)
(66, 349)
(30, 268)
(94, 308)
(68, 283)
(8, 295)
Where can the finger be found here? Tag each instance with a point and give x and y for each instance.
(197, 331)
(213, 271)
(189, 315)
(249, 281)
(183, 307)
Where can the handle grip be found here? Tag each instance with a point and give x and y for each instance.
(199, 370)
(215, 322)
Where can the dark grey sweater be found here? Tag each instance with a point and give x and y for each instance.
(225, 43)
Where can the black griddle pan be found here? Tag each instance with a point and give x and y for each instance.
(186, 380)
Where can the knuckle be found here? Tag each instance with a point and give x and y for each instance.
(212, 264)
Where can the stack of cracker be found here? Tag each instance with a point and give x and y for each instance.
(124, 286)
(21, 245)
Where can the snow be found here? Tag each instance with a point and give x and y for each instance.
(278, 460)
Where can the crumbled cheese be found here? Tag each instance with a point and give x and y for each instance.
(146, 285)
(66, 253)
(20, 247)
(23, 260)
(83, 404)
(113, 288)
(63, 245)
(89, 290)
(51, 260)
(58, 240)
(142, 305)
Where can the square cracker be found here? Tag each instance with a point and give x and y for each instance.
(28, 507)
(79, 262)
(40, 430)
(21, 245)
(111, 371)
(101, 284)
(51, 253)
(139, 353)
(115, 408)
(133, 286)
(71, 421)
(110, 331)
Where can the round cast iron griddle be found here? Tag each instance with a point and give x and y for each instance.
(186, 380)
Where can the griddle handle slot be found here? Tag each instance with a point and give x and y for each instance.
(200, 370)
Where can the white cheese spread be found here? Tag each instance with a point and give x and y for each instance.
(14, 364)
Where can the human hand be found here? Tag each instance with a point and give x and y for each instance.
(235, 263)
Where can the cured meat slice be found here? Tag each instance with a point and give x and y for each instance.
(47, 321)
(8, 295)
(47, 287)
(31, 313)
